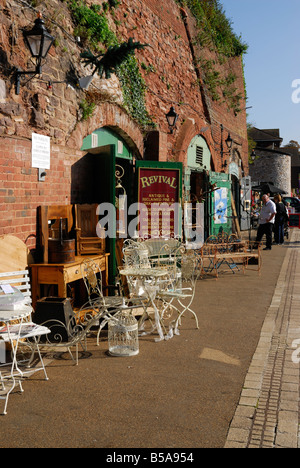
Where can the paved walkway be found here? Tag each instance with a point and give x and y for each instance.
(232, 383)
(268, 413)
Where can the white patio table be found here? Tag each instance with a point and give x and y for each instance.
(146, 280)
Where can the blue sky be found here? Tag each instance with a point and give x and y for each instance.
(271, 28)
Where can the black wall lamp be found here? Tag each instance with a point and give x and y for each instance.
(39, 41)
(228, 142)
(253, 156)
(172, 118)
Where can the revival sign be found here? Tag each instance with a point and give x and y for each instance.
(159, 196)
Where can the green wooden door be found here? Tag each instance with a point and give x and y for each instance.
(220, 204)
(108, 149)
(106, 197)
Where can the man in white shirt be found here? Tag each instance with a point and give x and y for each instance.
(266, 221)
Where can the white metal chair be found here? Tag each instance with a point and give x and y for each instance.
(136, 255)
(12, 374)
(99, 308)
(179, 294)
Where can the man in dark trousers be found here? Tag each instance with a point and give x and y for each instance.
(266, 221)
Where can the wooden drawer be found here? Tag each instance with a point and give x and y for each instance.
(72, 273)
(101, 262)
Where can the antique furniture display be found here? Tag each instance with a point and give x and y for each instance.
(56, 233)
(86, 221)
(62, 233)
(61, 274)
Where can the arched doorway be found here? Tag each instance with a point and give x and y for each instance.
(95, 180)
(196, 182)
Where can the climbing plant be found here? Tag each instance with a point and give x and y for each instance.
(112, 58)
(214, 31)
(108, 56)
(214, 28)
(134, 90)
(87, 109)
(91, 24)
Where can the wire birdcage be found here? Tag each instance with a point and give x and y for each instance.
(123, 335)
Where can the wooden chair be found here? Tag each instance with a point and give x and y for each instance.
(87, 239)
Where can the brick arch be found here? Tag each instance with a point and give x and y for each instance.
(190, 128)
(109, 115)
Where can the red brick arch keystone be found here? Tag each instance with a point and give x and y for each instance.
(191, 127)
(107, 114)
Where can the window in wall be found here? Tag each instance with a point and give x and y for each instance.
(199, 155)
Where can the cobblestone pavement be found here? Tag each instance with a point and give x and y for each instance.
(267, 415)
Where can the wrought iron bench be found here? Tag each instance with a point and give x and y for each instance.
(231, 254)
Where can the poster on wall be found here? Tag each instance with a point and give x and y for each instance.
(159, 199)
(40, 151)
(220, 211)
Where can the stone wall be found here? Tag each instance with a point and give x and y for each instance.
(272, 167)
(54, 110)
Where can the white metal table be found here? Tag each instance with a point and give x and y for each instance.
(12, 333)
(147, 280)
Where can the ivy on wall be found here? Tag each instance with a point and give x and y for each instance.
(215, 33)
(87, 109)
(214, 28)
(93, 28)
(134, 90)
(91, 24)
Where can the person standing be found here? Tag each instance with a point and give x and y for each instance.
(280, 219)
(266, 221)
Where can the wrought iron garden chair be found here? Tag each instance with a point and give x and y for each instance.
(99, 308)
(178, 294)
(136, 255)
(159, 247)
(13, 373)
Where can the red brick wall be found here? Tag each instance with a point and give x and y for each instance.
(20, 191)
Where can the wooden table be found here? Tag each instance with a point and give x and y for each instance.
(61, 274)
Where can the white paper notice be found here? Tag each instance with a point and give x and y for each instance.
(40, 151)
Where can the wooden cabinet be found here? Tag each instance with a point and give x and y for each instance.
(86, 221)
(61, 274)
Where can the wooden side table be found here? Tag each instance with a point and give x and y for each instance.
(61, 274)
